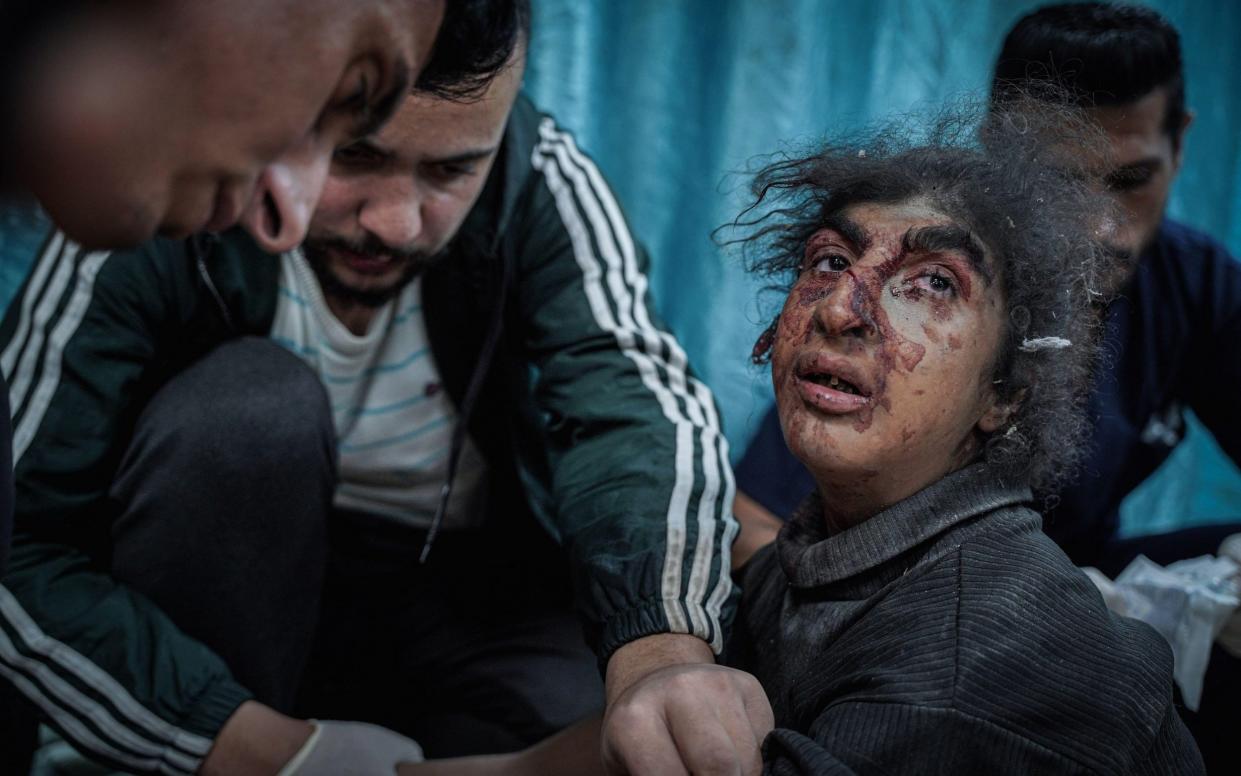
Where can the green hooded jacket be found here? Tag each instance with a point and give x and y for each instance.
(539, 321)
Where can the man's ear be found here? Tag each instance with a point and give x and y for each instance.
(999, 413)
(1178, 140)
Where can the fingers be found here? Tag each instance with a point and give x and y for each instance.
(712, 741)
(636, 741)
(757, 707)
(701, 719)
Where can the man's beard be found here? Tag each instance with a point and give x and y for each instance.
(317, 250)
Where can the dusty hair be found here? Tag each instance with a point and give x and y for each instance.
(1003, 175)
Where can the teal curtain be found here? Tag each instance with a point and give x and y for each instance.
(675, 99)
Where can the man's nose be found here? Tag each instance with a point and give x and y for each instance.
(846, 309)
(393, 212)
(1118, 231)
(286, 194)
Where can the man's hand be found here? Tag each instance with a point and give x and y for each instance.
(256, 741)
(260, 741)
(671, 710)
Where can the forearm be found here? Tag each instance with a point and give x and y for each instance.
(255, 741)
(638, 658)
(758, 529)
(573, 751)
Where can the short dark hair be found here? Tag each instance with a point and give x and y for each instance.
(476, 40)
(1099, 54)
(1036, 219)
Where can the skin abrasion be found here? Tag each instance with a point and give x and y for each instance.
(878, 326)
(915, 273)
(895, 352)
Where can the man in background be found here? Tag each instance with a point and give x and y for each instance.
(1173, 316)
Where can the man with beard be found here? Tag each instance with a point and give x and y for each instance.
(361, 479)
(1173, 315)
(124, 119)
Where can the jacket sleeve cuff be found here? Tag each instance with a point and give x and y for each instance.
(651, 618)
(213, 708)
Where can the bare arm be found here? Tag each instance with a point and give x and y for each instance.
(255, 740)
(572, 751)
(758, 528)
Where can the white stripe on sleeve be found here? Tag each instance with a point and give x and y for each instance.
(628, 286)
(65, 327)
(49, 259)
(21, 375)
(168, 749)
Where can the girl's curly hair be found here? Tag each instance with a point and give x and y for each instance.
(1007, 177)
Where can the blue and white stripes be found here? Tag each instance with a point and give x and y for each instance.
(393, 423)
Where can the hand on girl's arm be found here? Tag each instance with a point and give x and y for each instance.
(672, 710)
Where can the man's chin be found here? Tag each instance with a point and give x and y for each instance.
(367, 290)
(369, 294)
(370, 286)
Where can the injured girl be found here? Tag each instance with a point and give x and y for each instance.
(929, 365)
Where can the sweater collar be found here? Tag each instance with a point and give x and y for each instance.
(811, 558)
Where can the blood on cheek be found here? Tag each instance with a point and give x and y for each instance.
(895, 352)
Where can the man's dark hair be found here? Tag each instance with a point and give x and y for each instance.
(476, 40)
(1036, 219)
(1099, 53)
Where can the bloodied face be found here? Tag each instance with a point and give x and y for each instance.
(884, 353)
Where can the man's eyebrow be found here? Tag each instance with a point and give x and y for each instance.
(1150, 161)
(382, 109)
(949, 237)
(1141, 166)
(370, 145)
(464, 157)
(848, 229)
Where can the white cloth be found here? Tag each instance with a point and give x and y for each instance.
(1189, 602)
(394, 421)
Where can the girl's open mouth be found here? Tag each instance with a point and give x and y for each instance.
(832, 384)
(832, 381)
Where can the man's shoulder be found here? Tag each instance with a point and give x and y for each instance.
(1191, 250)
(522, 135)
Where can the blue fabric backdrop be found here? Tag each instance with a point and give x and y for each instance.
(673, 98)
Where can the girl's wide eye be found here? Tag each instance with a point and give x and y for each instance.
(938, 283)
(832, 263)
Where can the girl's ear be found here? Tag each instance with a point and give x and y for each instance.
(999, 413)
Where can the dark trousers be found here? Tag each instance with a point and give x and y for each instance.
(228, 527)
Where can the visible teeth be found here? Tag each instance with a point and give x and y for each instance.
(832, 381)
